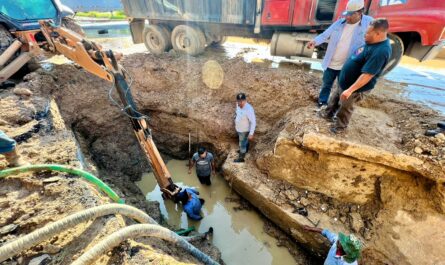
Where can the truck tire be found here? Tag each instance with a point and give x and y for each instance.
(71, 24)
(397, 53)
(157, 39)
(220, 41)
(189, 40)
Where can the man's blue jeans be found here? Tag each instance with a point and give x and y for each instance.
(329, 77)
(243, 142)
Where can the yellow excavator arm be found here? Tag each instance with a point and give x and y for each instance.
(104, 64)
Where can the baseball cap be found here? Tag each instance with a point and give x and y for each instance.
(353, 6)
(201, 150)
(241, 96)
(351, 245)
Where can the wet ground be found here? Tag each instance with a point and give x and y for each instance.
(419, 82)
(238, 232)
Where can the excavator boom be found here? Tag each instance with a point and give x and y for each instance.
(101, 63)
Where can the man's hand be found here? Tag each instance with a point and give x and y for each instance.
(312, 229)
(311, 44)
(345, 95)
(250, 137)
(190, 171)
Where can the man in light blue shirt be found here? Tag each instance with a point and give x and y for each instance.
(345, 36)
(245, 124)
(345, 250)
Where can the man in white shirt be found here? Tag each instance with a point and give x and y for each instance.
(245, 123)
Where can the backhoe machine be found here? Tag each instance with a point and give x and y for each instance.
(33, 27)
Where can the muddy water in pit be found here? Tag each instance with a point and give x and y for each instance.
(238, 233)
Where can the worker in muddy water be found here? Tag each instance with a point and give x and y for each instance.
(345, 36)
(245, 124)
(191, 203)
(205, 165)
(344, 249)
(8, 148)
(359, 75)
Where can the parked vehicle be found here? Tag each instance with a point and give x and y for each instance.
(417, 27)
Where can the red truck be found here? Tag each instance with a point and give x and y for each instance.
(417, 27)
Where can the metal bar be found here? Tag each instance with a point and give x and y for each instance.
(14, 66)
(9, 52)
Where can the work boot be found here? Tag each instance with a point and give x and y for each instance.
(14, 159)
(240, 158)
(434, 132)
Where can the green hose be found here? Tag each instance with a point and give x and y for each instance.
(184, 232)
(67, 169)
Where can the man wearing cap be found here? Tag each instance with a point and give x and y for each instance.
(359, 75)
(205, 165)
(345, 36)
(191, 203)
(245, 123)
(344, 249)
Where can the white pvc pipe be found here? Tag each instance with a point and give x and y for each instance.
(140, 230)
(25, 242)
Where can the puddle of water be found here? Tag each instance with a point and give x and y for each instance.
(238, 234)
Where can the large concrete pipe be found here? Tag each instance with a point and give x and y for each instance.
(291, 44)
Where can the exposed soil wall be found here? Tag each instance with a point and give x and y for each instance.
(372, 181)
(29, 201)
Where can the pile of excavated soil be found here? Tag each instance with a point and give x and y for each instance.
(29, 201)
(372, 180)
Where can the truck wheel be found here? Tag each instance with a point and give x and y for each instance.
(397, 53)
(220, 41)
(188, 39)
(157, 39)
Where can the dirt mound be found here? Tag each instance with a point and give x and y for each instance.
(29, 201)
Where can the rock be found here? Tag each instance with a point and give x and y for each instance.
(440, 136)
(21, 91)
(324, 207)
(51, 249)
(42, 260)
(291, 194)
(8, 229)
(51, 180)
(356, 222)
(434, 152)
(304, 201)
(418, 150)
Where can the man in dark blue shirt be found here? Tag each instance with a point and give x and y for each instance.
(359, 74)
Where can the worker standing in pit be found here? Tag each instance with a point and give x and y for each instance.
(345, 36)
(345, 250)
(8, 148)
(191, 203)
(245, 124)
(205, 165)
(359, 75)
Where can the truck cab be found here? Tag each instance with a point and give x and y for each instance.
(23, 15)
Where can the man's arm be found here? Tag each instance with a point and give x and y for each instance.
(192, 163)
(252, 119)
(323, 37)
(363, 79)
